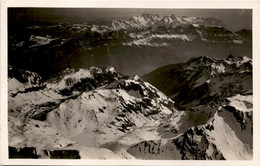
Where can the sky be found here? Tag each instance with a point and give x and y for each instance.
(234, 19)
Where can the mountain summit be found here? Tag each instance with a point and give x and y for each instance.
(146, 19)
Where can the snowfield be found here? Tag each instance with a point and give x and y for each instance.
(148, 41)
(40, 40)
(114, 113)
(227, 142)
(240, 102)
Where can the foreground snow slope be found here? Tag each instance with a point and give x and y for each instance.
(90, 107)
(217, 97)
(99, 114)
(220, 138)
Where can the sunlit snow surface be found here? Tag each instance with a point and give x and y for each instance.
(40, 40)
(91, 119)
(240, 102)
(227, 142)
(113, 120)
(147, 41)
(220, 68)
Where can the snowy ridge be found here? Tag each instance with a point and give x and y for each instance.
(146, 20)
(40, 40)
(227, 142)
(219, 66)
(214, 140)
(88, 112)
(213, 76)
(137, 22)
(242, 107)
(218, 112)
(102, 115)
(209, 30)
(22, 80)
(148, 41)
(84, 79)
(240, 102)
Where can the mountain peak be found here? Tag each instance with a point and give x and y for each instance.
(230, 57)
(201, 60)
(172, 16)
(169, 18)
(149, 15)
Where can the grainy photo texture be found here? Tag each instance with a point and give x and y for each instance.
(121, 83)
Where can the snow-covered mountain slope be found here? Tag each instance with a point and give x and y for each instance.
(206, 80)
(216, 121)
(220, 138)
(88, 110)
(147, 20)
(99, 114)
(134, 46)
(52, 34)
(137, 22)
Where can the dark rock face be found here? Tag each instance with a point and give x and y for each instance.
(26, 152)
(203, 80)
(24, 76)
(203, 87)
(191, 145)
(196, 149)
(31, 152)
(64, 154)
(87, 84)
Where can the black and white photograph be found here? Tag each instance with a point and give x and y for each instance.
(130, 83)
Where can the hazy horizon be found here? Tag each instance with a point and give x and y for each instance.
(234, 19)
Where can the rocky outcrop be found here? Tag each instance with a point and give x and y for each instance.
(26, 152)
(31, 153)
(206, 80)
(63, 154)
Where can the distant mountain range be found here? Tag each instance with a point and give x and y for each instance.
(134, 46)
(153, 21)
